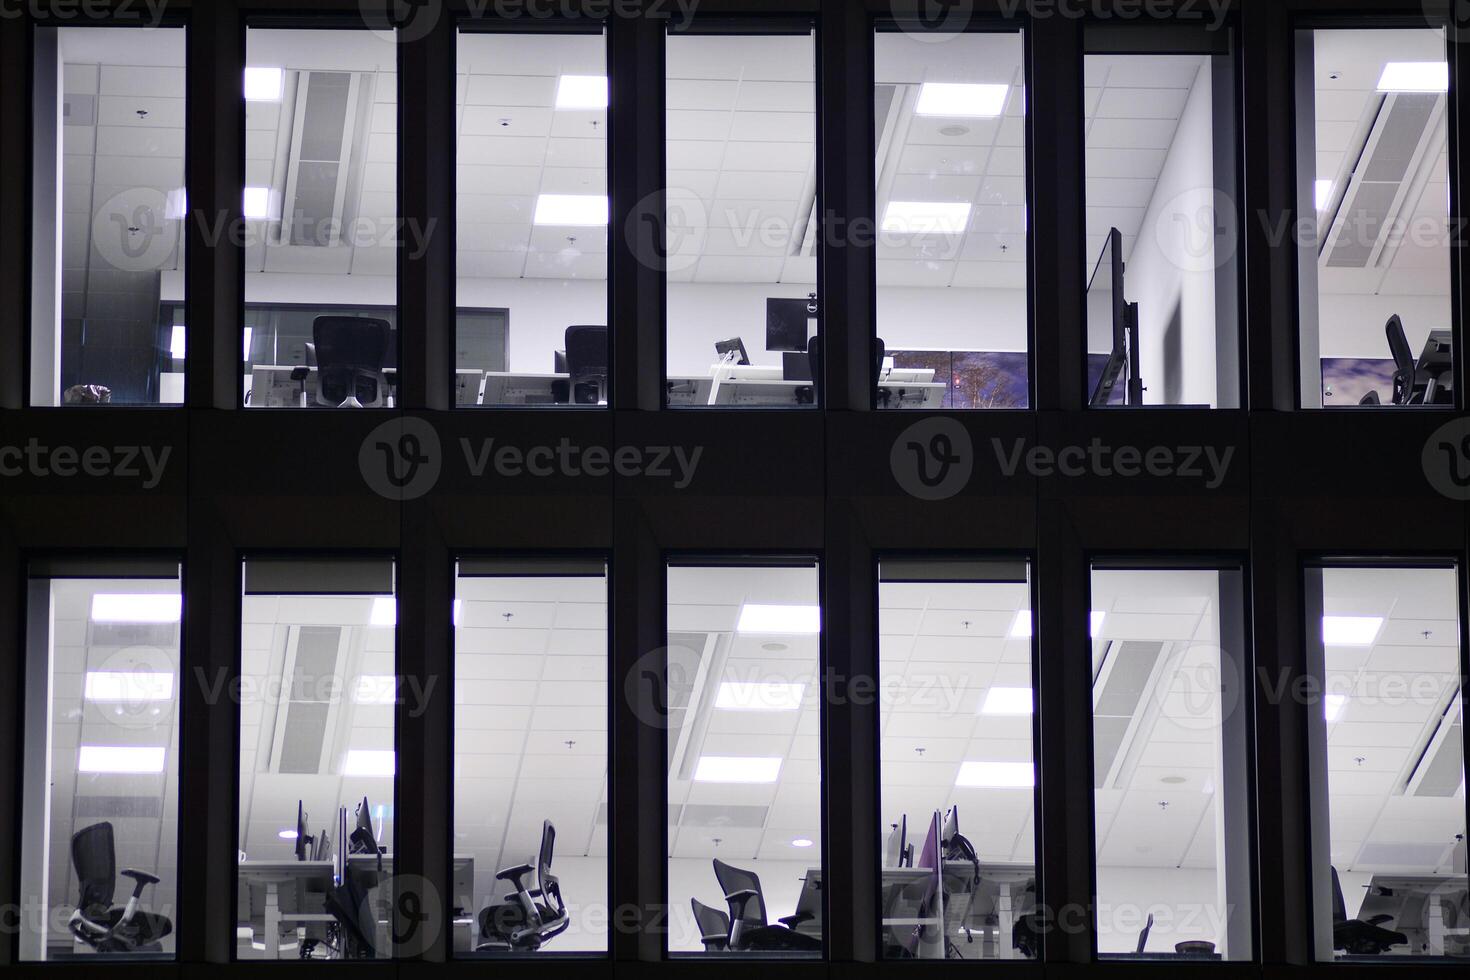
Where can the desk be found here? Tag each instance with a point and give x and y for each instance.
(1426, 908)
(270, 386)
(507, 388)
(1435, 363)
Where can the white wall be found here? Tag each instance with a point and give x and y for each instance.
(1183, 902)
(1352, 326)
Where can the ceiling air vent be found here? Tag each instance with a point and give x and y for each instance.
(306, 709)
(1127, 669)
(323, 167)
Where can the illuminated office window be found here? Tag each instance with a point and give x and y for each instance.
(958, 770)
(1386, 741)
(1163, 283)
(100, 769)
(530, 757)
(1172, 809)
(950, 148)
(108, 205)
(532, 218)
(318, 689)
(320, 206)
(1373, 234)
(745, 771)
(741, 218)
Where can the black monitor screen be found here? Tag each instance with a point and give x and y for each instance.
(787, 323)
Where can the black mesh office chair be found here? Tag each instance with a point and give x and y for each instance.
(96, 921)
(587, 364)
(350, 353)
(1143, 934)
(714, 926)
(1403, 362)
(748, 927)
(1360, 936)
(811, 395)
(531, 916)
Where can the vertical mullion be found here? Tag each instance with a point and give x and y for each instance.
(1054, 169)
(12, 705)
(1459, 124)
(15, 67)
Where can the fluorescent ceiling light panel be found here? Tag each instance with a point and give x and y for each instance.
(757, 617)
(1095, 623)
(384, 611)
(1415, 76)
(1350, 631)
(759, 696)
(958, 99)
(176, 342)
(369, 762)
(1007, 701)
(581, 92)
(737, 769)
(1333, 704)
(126, 759)
(127, 685)
(264, 83)
(926, 217)
(176, 205)
(1021, 625)
(376, 689)
(571, 210)
(1322, 191)
(256, 203)
(996, 775)
(245, 347)
(145, 607)
(457, 605)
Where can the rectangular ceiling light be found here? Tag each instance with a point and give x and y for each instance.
(581, 92)
(264, 84)
(127, 685)
(761, 618)
(176, 342)
(737, 769)
(144, 607)
(757, 696)
(384, 611)
(369, 762)
(926, 217)
(176, 205)
(457, 605)
(1322, 191)
(1415, 76)
(571, 210)
(257, 203)
(1350, 631)
(127, 759)
(1333, 704)
(1095, 623)
(996, 775)
(1021, 625)
(376, 689)
(1007, 701)
(961, 100)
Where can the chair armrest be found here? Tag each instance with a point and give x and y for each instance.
(141, 879)
(738, 901)
(1375, 920)
(792, 921)
(514, 875)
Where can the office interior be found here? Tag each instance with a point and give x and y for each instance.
(99, 849)
(1374, 268)
(1388, 770)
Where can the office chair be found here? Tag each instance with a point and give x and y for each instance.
(714, 926)
(96, 921)
(748, 927)
(351, 934)
(1143, 934)
(1358, 936)
(810, 395)
(350, 352)
(587, 364)
(1403, 361)
(523, 923)
(1029, 924)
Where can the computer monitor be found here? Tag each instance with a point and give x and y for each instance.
(365, 818)
(302, 838)
(789, 322)
(734, 345)
(930, 860)
(951, 825)
(1107, 302)
(897, 843)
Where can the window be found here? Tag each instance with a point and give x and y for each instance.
(955, 662)
(1373, 197)
(101, 760)
(530, 754)
(320, 204)
(318, 687)
(107, 219)
(745, 765)
(1386, 737)
(1163, 283)
(532, 220)
(1170, 762)
(742, 218)
(950, 149)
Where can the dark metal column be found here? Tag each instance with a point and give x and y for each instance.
(15, 233)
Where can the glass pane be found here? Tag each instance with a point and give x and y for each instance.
(101, 763)
(321, 229)
(1162, 279)
(532, 225)
(1374, 246)
(1388, 767)
(1170, 764)
(318, 682)
(741, 207)
(745, 771)
(955, 664)
(107, 219)
(530, 757)
(951, 168)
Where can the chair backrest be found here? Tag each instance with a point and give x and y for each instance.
(548, 843)
(733, 879)
(1339, 906)
(1403, 359)
(879, 352)
(586, 361)
(814, 363)
(92, 855)
(714, 925)
(346, 348)
(1143, 936)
